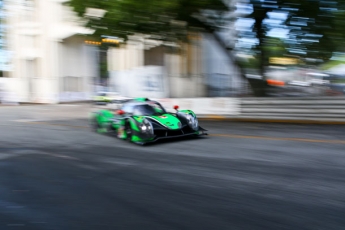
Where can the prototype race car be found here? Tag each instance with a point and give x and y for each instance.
(142, 121)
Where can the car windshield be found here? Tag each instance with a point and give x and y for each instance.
(148, 110)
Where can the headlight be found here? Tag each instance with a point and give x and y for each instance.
(192, 122)
(146, 127)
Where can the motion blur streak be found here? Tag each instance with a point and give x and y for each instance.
(224, 135)
(76, 179)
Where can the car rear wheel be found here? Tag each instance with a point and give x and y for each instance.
(129, 131)
(94, 124)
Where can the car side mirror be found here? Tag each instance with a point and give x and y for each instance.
(120, 112)
(176, 107)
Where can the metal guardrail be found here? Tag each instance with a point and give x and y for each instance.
(291, 109)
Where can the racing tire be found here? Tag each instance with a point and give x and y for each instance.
(129, 132)
(94, 125)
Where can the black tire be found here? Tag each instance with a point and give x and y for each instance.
(129, 131)
(111, 130)
(94, 124)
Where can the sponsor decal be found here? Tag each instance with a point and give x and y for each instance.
(163, 117)
(169, 124)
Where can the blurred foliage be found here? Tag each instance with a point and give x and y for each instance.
(272, 47)
(162, 19)
(249, 63)
(338, 31)
(316, 27)
(315, 30)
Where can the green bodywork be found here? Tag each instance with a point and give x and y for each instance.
(102, 99)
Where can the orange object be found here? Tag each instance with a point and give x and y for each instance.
(275, 82)
(120, 112)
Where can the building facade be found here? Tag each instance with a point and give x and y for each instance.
(199, 68)
(50, 62)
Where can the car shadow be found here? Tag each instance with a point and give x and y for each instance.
(178, 139)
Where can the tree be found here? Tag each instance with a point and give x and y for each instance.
(312, 24)
(315, 29)
(162, 19)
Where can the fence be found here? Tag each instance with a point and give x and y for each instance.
(293, 109)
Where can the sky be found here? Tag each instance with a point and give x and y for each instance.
(244, 24)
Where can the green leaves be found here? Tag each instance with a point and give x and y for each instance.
(153, 17)
(315, 27)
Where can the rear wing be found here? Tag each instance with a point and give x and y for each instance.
(110, 101)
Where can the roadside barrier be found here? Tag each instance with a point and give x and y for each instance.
(328, 110)
(313, 110)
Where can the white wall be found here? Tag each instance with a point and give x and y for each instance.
(6, 89)
(182, 85)
(204, 106)
(41, 54)
(126, 57)
(146, 81)
(78, 62)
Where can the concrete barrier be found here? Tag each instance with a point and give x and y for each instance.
(303, 110)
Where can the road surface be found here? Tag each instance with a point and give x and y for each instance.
(57, 174)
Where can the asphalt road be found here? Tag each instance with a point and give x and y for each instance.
(56, 174)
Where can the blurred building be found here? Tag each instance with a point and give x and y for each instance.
(222, 76)
(156, 69)
(50, 61)
(200, 68)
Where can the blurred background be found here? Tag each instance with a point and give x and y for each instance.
(245, 67)
(54, 51)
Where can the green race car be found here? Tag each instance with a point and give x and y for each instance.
(142, 121)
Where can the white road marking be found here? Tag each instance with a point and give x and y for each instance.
(26, 120)
(18, 153)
